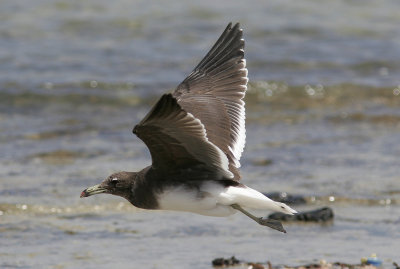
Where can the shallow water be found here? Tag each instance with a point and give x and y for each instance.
(323, 121)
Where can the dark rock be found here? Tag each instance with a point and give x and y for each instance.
(225, 262)
(221, 262)
(318, 215)
(286, 198)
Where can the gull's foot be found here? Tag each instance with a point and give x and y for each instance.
(274, 224)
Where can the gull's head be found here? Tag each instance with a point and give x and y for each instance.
(117, 184)
(284, 208)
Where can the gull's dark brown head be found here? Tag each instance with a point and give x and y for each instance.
(117, 184)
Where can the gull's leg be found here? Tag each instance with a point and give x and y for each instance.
(274, 224)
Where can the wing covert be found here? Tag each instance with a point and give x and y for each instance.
(177, 139)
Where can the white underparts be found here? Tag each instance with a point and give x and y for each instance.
(212, 199)
(203, 201)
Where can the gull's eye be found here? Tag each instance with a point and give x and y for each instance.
(114, 181)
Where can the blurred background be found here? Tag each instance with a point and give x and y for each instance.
(323, 122)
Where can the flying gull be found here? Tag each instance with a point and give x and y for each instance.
(196, 137)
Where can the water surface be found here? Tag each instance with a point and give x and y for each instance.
(323, 121)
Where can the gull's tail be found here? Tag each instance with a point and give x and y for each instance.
(248, 197)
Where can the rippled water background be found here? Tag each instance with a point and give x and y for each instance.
(323, 120)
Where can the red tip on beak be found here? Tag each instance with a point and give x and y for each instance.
(83, 194)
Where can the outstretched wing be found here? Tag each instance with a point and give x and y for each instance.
(213, 93)
(177, 140)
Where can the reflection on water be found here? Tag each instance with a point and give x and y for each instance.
(323, 121)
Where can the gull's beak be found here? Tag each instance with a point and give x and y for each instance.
(96, 189)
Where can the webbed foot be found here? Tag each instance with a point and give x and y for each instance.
(274, 224)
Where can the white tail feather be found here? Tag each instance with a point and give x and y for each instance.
(248, 197)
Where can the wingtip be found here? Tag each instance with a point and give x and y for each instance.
(236, 25)
(236, 28)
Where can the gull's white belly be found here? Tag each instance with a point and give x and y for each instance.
(203, 201)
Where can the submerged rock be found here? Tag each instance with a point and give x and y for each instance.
(225, 262)
(318, 215)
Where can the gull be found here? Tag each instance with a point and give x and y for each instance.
(196, 136)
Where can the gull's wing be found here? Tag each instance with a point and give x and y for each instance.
(177, 140)
(213, 93)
